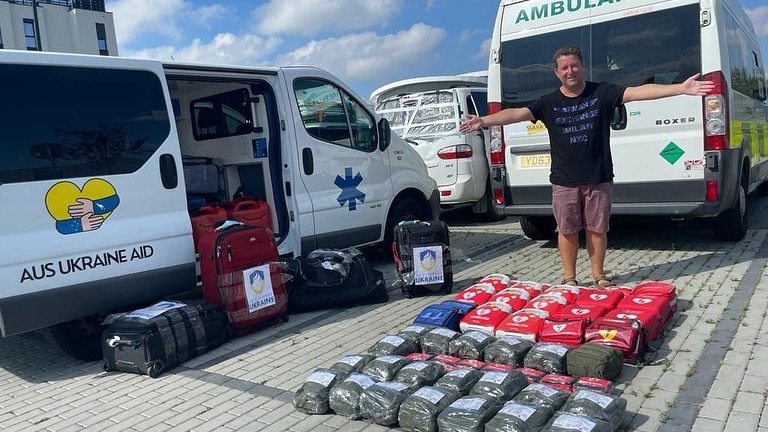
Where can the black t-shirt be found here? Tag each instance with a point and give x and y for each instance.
(579, 133)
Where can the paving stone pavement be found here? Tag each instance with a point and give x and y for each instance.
(707, 373)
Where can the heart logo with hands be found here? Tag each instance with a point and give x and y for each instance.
(83, 209)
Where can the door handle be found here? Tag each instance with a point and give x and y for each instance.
(307, 160)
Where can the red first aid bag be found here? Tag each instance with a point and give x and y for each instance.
(516, 298)
(549, 304)
(524, 324)
(564, 330)
(625, 335)
(588, 312)
(477, 294)
(600, 297)
(499, 281)
(485, 317)
(568, 292)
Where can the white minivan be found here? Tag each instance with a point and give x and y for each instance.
(95, 215)
(427, 112)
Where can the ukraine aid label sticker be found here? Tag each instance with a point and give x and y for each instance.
(428, 265)
(258, 288)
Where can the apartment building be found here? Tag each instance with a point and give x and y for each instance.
(77, 26)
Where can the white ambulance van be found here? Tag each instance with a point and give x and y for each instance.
(426, 112)
(104, 157)
(682, 157)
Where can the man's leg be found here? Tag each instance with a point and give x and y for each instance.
(597, 243)
(568, 244)
(597, 213)
(567, 209)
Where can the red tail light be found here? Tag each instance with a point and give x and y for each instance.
(712, 190)
(498, 195)
(717, 126)
(497, 137)
(463, 151)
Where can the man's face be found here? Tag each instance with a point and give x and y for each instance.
(570, 71)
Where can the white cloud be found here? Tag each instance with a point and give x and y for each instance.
(166, 18)
(136, 17)
(225, 48)
(485, 50)
(310, 17)
(367, 56)
(759, 17)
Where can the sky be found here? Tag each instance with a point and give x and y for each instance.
(366, 43)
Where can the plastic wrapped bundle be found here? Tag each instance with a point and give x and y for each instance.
(344, 398)
(420, 373)
(518, 417)
(381, 402)
(419, 411)
(415, 332)
(385, 368)
(508, 350)
(470, 345)
(502, 385)
(351, 363)
(459, 381)
(548, 357)
(542, 394)
(601, 406)
(468, 414)
(567, 422)
(312, 396)
(394, 345)
(437, 340)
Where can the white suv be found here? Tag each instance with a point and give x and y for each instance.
(427, 112)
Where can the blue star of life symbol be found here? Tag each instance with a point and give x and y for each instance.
(349, 192)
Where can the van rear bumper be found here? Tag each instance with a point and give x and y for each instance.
(42, 309)
(675, 199)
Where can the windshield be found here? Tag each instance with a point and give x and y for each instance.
(660, 47)
(421, 114)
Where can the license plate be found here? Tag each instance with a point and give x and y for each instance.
(534, 160)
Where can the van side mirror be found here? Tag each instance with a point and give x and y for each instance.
(385, 134)
(619, 118)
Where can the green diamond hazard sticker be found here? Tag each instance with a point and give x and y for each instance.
(672, 153)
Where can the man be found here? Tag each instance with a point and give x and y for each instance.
(578, 116)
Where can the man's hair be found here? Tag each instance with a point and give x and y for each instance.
(568, 51)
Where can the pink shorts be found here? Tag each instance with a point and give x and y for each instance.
(579, 207)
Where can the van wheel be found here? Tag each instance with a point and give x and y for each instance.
(538, 227)
(80, 338)
(404, 209)
(731, 225)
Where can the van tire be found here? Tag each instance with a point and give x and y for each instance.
(403, 209)
(79, 338)
(731, 225)
(538, 227)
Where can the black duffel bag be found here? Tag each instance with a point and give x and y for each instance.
(331, 278)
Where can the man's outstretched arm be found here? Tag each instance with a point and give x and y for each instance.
(503, 117)
(657, 91)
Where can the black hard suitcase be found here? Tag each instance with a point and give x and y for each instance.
(152, 340)
(412, 234)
